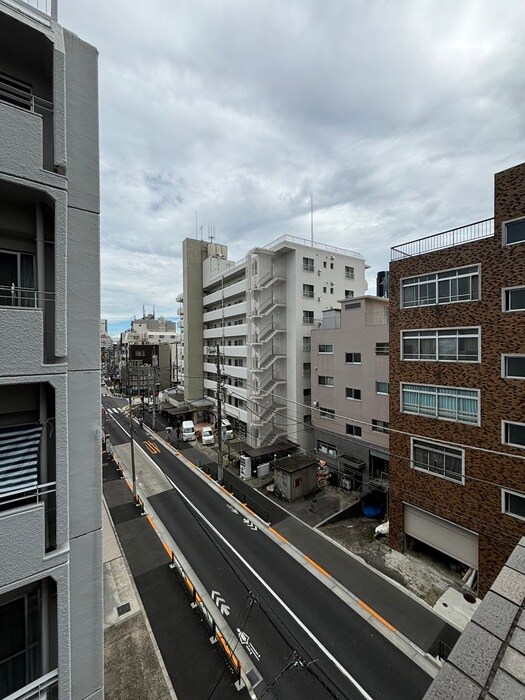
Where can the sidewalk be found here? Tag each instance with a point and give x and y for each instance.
(133, 666)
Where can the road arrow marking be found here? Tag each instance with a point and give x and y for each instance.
(233, 510)
(249, 523)
(220, 602)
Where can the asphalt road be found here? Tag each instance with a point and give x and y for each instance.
(305, 640)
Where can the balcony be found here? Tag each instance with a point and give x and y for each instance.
(37, 9)
(445, 239)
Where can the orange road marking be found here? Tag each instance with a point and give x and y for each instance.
(319, 568)
(278, 535)
(167, 549)
(151, 522)
(378, 617)
(129, 485)
(248, 509)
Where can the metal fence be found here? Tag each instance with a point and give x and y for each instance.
(445, 239)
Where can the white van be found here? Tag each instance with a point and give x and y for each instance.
(188, 430)
(227, 431)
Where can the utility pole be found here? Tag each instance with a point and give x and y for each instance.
(220, 379)
(132, 442)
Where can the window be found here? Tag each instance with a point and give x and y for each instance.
(326, 381)
(331, 290)
(326, 348)
(382, 388)
(514, 366)
(382, 348)
(513, 503)
(326, 448)
(354, 394)
(307, 369)
(513, 434)
(328, 413)
(379, 426)
(307, 343)
(438, 459)
(17, 279)
(325, 290)
(514, 231)
(447, 287)
(349, 272)
(514, 299)
(308, 291)
(307, 396)
(307, 419)
(348, 294)
(354, 305)
(308, 264)
(353, 358)
(447, 402)
(308, 317)
(324, 263)
(354, 430)
(445, 345)
(331, 266)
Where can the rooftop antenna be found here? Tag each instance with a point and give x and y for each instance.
(312, 216)
(211, 234)
(201, 231)
(143, 311)
(196, 228)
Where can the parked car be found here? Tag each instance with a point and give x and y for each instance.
(207, 436)
(188, 430)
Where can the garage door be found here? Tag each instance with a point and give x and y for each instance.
(458, 542)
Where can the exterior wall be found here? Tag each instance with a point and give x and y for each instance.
(475, 505)
(57, 344)
(360, 329)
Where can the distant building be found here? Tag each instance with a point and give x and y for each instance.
(457, 389)
(260, 312)
(51, 596)
(349, 394)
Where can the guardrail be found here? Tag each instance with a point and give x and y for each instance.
(445, 239)
(24, 297)
(45, 7)
(44, 687)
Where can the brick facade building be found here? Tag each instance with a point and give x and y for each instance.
(457, 387)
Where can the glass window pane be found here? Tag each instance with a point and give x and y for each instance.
(515, 232)
(515, 366)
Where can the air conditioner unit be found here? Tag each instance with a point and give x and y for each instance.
(319, 272)
(332, 257)
(318, 298)
(316, 404)
(331, 284)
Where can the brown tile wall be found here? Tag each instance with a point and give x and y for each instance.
(477, 504)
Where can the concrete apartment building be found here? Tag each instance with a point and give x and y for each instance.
(457, 387)
(349, 370)
(260, 311)
(50, 472)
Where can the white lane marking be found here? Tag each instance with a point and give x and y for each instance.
(249, 523)
(270, 590)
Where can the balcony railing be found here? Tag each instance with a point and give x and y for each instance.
(328, 323)
(41, 493)
(45, 687)
(279, 242)
(445, 239)
(19, 94)
(24, 297)
(44, 7)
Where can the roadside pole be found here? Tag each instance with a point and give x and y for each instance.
(220, 467)
(131, 440)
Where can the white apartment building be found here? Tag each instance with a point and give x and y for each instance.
(350, 387)
(51, 602)
(260, 312)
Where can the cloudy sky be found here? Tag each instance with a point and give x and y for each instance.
(395, 114)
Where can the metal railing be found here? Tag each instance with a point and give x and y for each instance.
(45, 687)
(24, 297)
(312, 244)
(44, 7)
(445, 239)
(20, 95)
